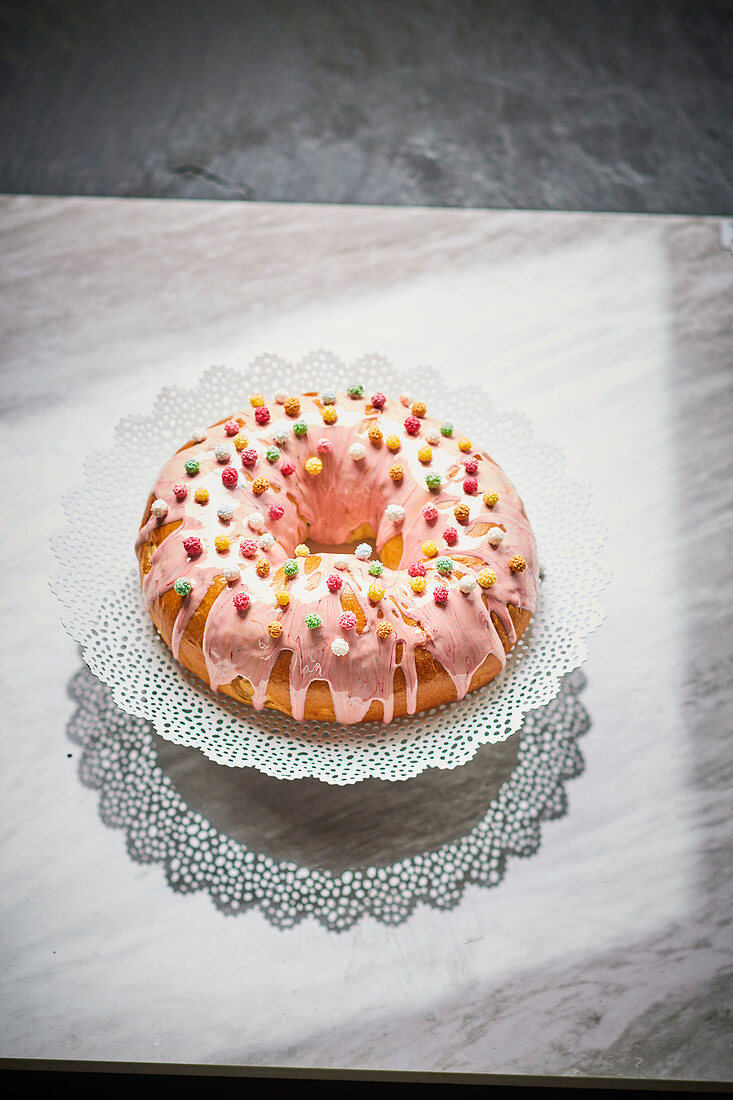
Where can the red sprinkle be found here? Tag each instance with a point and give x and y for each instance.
(241, 601)
(471, 465)
(412, 425)
(180, 492)
(347, 620)
(262, 414)
(430, 513)
(323, 446)
(416, 569)
(333, 582)
(440, 594)
(192, 546)
(450, 535)
(276, 511)
(248, 548)
(249, 457)
(231, 427)
(287, 468)
(378, 401)
(229, 477)
(470, 486)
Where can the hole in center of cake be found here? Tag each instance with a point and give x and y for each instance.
(341, 547)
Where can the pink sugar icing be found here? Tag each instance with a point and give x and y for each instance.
(328, 509)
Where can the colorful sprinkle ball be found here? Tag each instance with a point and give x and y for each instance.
(201, 496)
(225, 512)
(267, 540)
(495, 536)
(412, 425)
(262, 568)
(486, 578)
(272, 454)
(376, 593)
(313, 466)
(396, 472)
(198, 435)
(395, 513)
(329, 415)
(490, 499)
(282, 599)
(376, 569)
(416, 569)
(432, 436)
(191, 466)
(240, 601)
(248, 548)
(430, 513)
(192, 546)
(441, 594)
(231, 427)
(392, 443)
(256, 521)
(249, 457)
(377, 400)
(429, 549)
(223, 452)
(342, 562)
(417, 584)
(275, 629)
(464, 445)
(357, 451)
(291, 406)
(363, 551)
(433, 482)
(290, 567)
(347, 620)
(312, 621)
(302, 550)
(182, 586)
(405, 400)
(470, 486)
(231, 574)
(276, 511)
(300, 427)
(419, 409)
(159, 509)
(444, 565)
(467, 583)
(328, 397)
(240, 442)
(339, 647)
(221, 542)
(260, 485)
(384, 629)
(280, 397)
(180, 492)
(262, 415)
(280, 435)
(355, 391)
(450, 535)
(462, 513)
(229, 477)
(425, 455)
(334, 582)
(256, 400)
(517, 564)
(446, 430)
(375, 434)
(323, 446)
(287, 468)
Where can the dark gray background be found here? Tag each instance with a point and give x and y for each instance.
(547, 104)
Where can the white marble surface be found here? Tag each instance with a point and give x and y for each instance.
(607, 952)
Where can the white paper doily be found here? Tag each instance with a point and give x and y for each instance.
(97, 584)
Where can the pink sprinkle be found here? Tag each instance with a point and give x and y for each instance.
(231, 427)
(180, 492)
(416, 569)
(262, 414)
(440, 594)
(249, 457)
(470, 486)
(347, 620)
(192, 546)
(241, 601)
(248, 548)
(471, 465)
(323, 446)
(276, 511)
(378, 401)
(287, 468)
(450, 535)
(229, 477)
(412, 425)
(333, 582)
(430, 513)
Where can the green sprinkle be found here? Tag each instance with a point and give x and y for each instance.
(300, 427)
(376, 569)
(355, 391)
(444, 565)
(182, 586)
(290, 568)
(272, 454)
(433, 481)
(313, 621)
(191, 466)
(446, 429)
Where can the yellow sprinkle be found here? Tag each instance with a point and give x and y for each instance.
(301, 550)
(329, 414)
(292, 406)
(201, 496)
(393, 442)
(384, 629)
(429, 549)
(262, 568)
(517, 564)
(283, 599)
(376, 592)
(275, 629)
(375, 433)
(425, 455)
(486, 578)
(313, 466)
(417, 584)
(240, 442)
(256, 400)
(260, 485)
(396, 472)
(221, 542)
(462, 513)
(419, 408)
(465, 445)
(490, 499)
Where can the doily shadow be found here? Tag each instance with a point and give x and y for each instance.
(302, 847)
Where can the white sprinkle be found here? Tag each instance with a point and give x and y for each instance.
(405, 399)
(280, 435)
(159, 508)
(198, 435)
(467, 583)
(232, 574)
(342, 562)
(256, 521)
(363, 551)
(266, 540)
(222, 452)
(339, 647)
(281, 397)
(357, 451)
(225, 513)
(432, 436)
(395, 513)
(495, 536)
